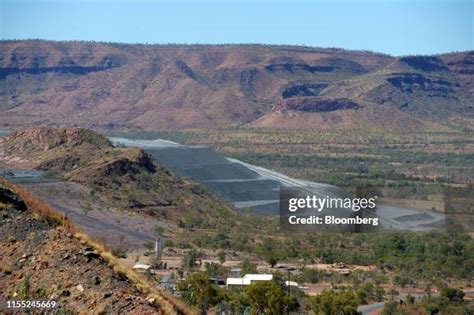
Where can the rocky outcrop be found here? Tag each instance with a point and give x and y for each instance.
(413, 82)
(316, 104)
(4, 72)
(294, 67)
(320, 65)
(127, 164)
(342, 64)
(10, 199)
(22, 61)
(424, 63)
(307, 89)
(461, 63)
(50, 138)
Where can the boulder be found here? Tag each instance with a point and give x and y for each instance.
(9, 197)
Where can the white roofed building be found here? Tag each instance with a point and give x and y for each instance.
(141, 266)
(248, 279)
(291, 283)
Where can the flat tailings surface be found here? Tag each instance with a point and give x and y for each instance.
(186, 156)
(251, 186)
(233, 181)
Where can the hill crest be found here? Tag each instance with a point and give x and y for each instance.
(154, 87)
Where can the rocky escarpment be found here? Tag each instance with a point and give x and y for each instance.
(321, 65)
(461, 63)
(32, 147)
(78, 70)
(160, 87)
(33, 139)
(425, 63)
(305, 89)
(76, 153)
(112, 167)
(27, 61)
(342, 64)
(316, 104)
(293, 67)
(413, 82)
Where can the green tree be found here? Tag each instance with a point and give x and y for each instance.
(452, 294)
(401, 280)
(221, 257)
(366, 293)
(271, 260)
(266, 296)
(215, 270)
(237, 301)
(393, 308)
(312, 275)
(198, 290)
(247, 267)
(379, 293)
(189, 260)
(334, 303)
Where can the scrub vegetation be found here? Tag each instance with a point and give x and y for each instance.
(406, 168)
(198, 221)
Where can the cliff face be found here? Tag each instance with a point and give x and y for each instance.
(205, 86)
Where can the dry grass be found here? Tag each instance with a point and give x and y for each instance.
(168, 303)
(39, 207)
(165, 302)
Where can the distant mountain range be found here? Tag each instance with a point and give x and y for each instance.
(157, 87)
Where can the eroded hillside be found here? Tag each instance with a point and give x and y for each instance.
(218, 86)
(43, 257)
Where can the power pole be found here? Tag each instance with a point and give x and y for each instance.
(158, 250)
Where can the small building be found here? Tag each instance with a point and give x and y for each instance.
(291, 284)
(141, 266)
(248, 279)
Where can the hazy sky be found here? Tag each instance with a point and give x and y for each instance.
(396, 27)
